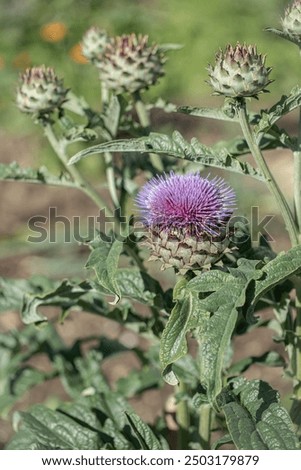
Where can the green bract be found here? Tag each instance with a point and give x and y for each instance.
(129, 64)
(185, 252)
(40, 91)
(239, 71)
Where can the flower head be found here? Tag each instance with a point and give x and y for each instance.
(40, 91)
(130, 64)
(239, 71)
(291, 22)
(186, 216)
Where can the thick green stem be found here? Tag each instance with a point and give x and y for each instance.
(205, 414)
(183, 418)
(270, 181)
(144, 119)
(111, 179)
(82, 184)
(297, 178)
(297, 389)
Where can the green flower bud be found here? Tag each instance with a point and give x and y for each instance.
(239, 71)
(40, 91)
(129, 64)
(93, 44)
(291, 23)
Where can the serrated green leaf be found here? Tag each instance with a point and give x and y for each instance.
(104, 412)
(212, 113)
(144, 434)
(229, 292)
(238, 146)
(12, 291)
(254, 417)
(97, 421)
(14, 172)
(285, 105)
(173, 343)
(175, 146)
(67, 295)
(104, 260)
(283, 35)
(275, 272)
(138, 285)
(53, 430)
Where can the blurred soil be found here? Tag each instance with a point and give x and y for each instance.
(21, 201)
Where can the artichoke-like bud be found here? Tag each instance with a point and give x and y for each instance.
(186, 217)
(40, 91)
(93, 44)
(291, 22)
(129, 64)
(239, 71)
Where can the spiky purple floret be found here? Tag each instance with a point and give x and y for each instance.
(189, 203)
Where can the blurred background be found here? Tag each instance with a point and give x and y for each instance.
(35, 32)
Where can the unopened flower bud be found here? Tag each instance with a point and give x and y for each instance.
(40, 91)
(93, 44)
(129, 64)
(239, 71)
(291, 22)
(186, 217)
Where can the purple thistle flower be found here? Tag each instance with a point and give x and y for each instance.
(188, 202)
(186, 216)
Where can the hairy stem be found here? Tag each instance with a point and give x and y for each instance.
(270, 181)
(297, 178)
(111, 179)
(82, 184)
(143, 116)
(297, 389)
(205, 414)
(183, 419)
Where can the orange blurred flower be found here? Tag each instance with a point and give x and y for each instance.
(76, 54)
(53, 32)
(22, 60)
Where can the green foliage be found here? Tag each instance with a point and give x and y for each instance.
(182, 319)
(104, 260)
(174, 146)
(185, 331)
(255, 418)
(91, 423)
(13, 172)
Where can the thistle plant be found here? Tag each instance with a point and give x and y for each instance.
(217, 279)
(187, 218)
(239, 71)
(291, 22)
(40, 91)
(129, 64)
